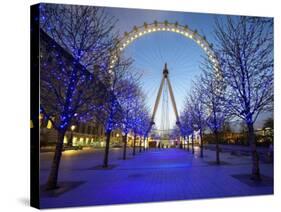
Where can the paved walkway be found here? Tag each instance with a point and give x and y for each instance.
(154, 175)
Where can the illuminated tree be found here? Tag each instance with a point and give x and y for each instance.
(245, 49)
(176, 133)
(139, 113)
(212, 96)
(109, 113)
(128, 100)
(69, 88)
(197, 114)
(145, 125)
(186, 127)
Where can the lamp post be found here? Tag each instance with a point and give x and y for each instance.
(72, 128)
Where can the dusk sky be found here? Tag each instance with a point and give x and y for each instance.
(152, 51)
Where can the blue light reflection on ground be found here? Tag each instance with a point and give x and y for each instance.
(155, 175)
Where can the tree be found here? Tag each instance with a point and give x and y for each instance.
(211, 91)
(268, 123)
(198, 116)
(227, 127)
(69, 89)
(136, 120)
(144, 127)
(110, 112)
(186, 127)
(176, 133)
(139, 114)
(128, 101)
(245, 49)
(226, 130)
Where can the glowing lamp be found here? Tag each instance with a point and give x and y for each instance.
(72, 127)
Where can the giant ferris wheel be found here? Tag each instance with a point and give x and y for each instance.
(165, 86)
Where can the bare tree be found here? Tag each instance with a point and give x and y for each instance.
(186, 127)
(268, 123)
(136, 120)
(145, 126)
(176, 133)
(245, 49)
(69, 89)
(139, 112)
(198, 117)
(128, 101)
(210, 88)
(109, 113)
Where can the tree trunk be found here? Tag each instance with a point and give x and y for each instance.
(143, 147)
(125, 146)
(181, 144)
(187, 143)
(255, 156)
(106, 151)
(147, 143)
(192, 143)
(140, 145)
(201, 144)
(217, 147)
(134, 144)
(53, 176)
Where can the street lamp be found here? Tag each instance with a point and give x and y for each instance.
(72, 128)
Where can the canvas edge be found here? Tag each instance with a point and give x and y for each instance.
(34, 107)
